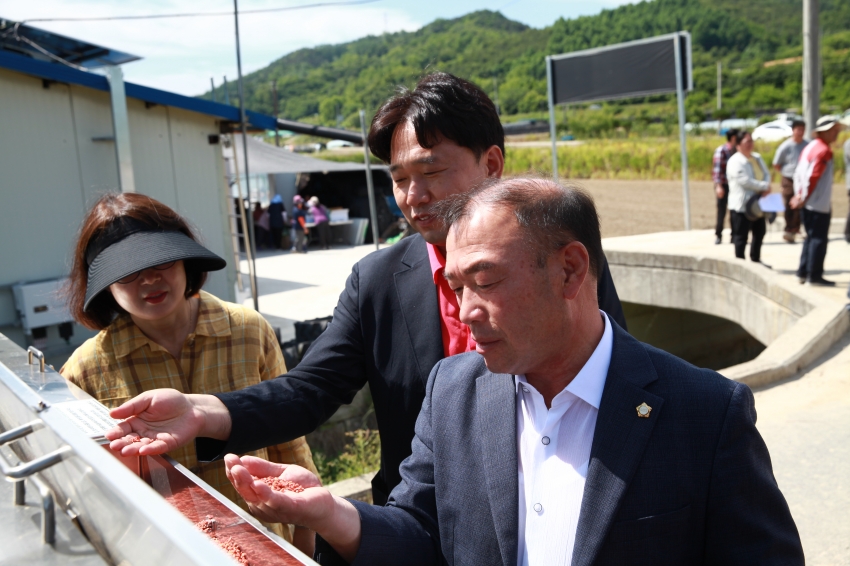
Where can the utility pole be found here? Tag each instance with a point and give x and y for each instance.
(496, 95)
(811, 60)
(226, 91)
(244, 120)
(680, 100)
(719, 86)
(276, 111)
(370, 187)
(212, 89)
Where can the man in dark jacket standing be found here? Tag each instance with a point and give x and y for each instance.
(396, 317)
(721, 184)
(276, 221)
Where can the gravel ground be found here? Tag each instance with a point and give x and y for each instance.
(644, 207)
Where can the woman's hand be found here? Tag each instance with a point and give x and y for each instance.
(315, 508)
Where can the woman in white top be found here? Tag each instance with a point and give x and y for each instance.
(747, 175)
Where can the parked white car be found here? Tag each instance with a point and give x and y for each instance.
(772, 131)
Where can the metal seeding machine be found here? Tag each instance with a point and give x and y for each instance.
(68, 499)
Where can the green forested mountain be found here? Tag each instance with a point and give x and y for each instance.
(506, 58)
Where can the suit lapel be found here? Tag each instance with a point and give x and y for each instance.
(618, 443)
(417, 296)
(496, 415)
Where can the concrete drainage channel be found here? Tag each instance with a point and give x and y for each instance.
(795, 323)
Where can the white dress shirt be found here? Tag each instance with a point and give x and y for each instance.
(553, 448)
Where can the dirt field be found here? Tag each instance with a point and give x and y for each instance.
(642, 207)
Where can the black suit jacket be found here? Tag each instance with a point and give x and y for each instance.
(385, 332)
(691, 484)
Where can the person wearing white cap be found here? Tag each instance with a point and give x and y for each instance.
(813, 194)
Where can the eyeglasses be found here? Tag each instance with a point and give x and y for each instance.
(133, 276)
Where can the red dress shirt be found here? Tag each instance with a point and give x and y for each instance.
(457, 338)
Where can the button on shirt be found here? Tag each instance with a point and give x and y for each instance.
(553, 448)
(457, 338)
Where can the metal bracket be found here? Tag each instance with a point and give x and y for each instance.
(48, 506)
(20, 432)
(22, 471)
(39, 464)
(33, 351)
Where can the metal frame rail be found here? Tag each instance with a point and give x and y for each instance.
(123, 518)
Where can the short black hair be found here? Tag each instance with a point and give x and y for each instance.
(441, 106)
(733, 133)
(797, 124)
(550, 215)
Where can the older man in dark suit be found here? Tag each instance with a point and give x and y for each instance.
(396, 317)
(560, 440)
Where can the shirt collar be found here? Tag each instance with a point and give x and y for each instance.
(588, 384)
(438, 262)
(212, 321)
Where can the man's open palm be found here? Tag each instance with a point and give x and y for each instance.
(156, 422)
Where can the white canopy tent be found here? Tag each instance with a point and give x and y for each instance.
(266, 159)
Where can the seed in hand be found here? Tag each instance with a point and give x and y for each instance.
(278, 484)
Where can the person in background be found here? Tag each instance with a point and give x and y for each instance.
(718, 175)
(136, 278)
(785, 161)
(322, 219)
(276, 224)
(748, 175)
(299, 224)
(261, 225)
(813, 194)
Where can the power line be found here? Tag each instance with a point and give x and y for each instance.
(201, 14)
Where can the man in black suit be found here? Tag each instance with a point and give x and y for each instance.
(396, 317)
(561, 440)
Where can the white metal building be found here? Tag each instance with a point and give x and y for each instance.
(57, 156)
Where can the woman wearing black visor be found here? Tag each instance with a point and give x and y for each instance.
(136, 277)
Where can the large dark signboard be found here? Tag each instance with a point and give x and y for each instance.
(636, 68)
(626, 70)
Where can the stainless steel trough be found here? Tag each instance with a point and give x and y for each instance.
(140, 511)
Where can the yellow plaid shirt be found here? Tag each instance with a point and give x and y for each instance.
(232, 347)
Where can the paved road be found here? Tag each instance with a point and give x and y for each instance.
(805, 422)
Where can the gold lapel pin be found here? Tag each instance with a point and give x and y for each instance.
(643, 410)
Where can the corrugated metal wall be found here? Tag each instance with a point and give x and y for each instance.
(51, 171)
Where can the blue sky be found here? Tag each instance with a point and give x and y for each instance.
(181, 55)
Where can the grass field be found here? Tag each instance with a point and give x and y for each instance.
(639, 158)
(625, 159)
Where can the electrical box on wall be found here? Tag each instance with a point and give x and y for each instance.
(41, 304)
